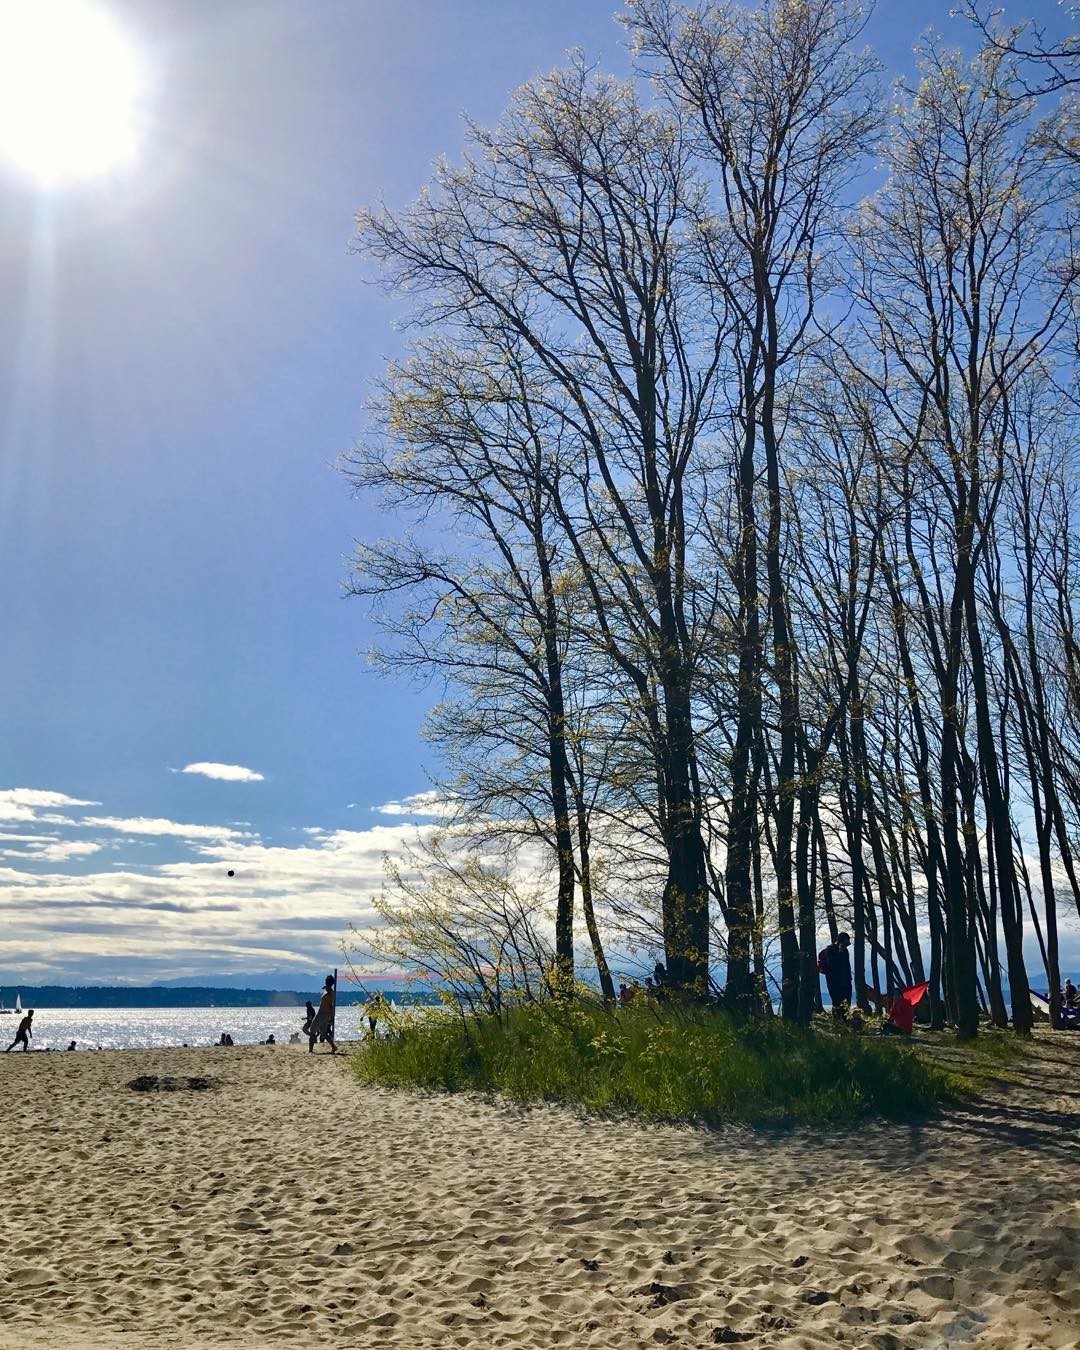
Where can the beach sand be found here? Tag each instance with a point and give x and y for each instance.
(287, 1205)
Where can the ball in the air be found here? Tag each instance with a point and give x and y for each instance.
(231, 873)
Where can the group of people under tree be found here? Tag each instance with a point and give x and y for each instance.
(787, 640)
(655, 986)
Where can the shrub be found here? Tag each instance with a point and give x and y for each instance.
(661, 1062)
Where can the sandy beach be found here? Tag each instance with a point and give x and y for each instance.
(284, 1204)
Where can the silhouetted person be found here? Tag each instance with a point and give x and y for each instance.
(322, 1024)
(72, 1046)
(270, 1040)
(375, 1009)
(1070, 996)
(626, 996)
(309, 1016)
(659, 974)
(24, 1033)
(650, 988)
(835, 964)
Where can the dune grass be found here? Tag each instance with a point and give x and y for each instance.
(663, 1063)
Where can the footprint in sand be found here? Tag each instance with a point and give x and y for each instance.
(28, 1277)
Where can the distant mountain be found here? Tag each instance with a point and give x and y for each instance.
(251, 979)
(192, 996)
(146, 996)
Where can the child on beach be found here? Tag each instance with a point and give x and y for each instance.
(25, 1031)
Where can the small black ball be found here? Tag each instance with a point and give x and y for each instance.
(231, 872)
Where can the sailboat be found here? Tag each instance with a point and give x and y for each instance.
(6, 1012)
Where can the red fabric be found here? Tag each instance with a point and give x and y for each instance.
(902, 1015)
(914, 995)
(902, 1012)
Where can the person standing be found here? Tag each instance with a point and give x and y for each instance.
(378, 1007)
(25, 1031)
(835, 964)
(322, 1024)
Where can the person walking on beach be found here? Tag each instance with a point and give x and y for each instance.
(322, 1024)
(25, 1031)
(309, 1016)
(835, 964)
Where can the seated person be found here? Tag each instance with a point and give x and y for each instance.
(901, 1017)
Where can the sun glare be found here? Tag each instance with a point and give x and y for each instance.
(69, 90)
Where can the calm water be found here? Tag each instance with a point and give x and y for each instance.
(124, 1028)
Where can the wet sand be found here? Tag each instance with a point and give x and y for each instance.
(284, 1204)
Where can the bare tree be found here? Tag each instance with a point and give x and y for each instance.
(572, 229)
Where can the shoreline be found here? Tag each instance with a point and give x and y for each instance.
(286, 1203)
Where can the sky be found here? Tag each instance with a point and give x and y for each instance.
(187, 344)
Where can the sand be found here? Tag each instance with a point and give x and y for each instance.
(287, 1205)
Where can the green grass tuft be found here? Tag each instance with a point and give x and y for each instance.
(663, 1063)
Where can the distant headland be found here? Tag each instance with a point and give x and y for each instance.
(195, 996)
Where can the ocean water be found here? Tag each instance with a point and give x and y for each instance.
(127, 1028)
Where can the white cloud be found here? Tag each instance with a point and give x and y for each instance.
(225, 773)
(157, 826)
(40, 849)
(430, 803)
(25, 803)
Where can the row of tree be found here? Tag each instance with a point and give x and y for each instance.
(734, 459)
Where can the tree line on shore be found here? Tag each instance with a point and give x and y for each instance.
(734, 460)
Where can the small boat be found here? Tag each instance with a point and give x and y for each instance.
(6, 1012)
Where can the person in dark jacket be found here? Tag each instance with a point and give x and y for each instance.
(835, 964)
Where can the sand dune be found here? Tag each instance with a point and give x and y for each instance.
(284, 1204)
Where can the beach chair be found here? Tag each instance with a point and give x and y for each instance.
(1040, 1004)
(1070, 1017)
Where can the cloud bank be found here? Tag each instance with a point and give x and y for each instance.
(71, 918)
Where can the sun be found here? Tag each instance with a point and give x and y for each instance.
(70, 84)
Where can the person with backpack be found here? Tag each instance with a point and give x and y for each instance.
(835, 964)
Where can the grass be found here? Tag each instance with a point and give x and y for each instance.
(664, 1063)
(970, 1066)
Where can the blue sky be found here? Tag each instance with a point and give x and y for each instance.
(186, 348)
